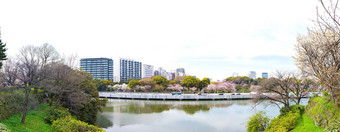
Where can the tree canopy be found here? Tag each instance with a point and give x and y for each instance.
(190, 81)
(3, 49)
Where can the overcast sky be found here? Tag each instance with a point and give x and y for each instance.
(209, 38)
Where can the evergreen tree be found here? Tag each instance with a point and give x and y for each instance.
(2, 51)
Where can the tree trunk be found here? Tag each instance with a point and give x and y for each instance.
(27, 92)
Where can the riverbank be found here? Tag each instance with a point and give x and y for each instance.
(34, 121)
(170, 96)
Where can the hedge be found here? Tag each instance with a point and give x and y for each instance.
(68, 124)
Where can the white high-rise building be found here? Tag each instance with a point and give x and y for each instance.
(180, 72)
(252, 74)
(147, 71)
(126, 69)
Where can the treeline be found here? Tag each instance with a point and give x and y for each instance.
(39, 75)
(189, 84)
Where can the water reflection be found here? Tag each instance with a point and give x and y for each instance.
(145, 115)
(142, 106)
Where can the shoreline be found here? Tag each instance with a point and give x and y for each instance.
(169, 96)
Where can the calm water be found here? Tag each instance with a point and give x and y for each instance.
(180, 116)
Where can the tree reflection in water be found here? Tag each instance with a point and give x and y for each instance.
(144, 106)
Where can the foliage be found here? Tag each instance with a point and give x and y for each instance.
(101, 86)
(323, 111)
(107, 82)
(294, 108)
(56, 113)
(88, 111)
(258, 122)
(325, 93)
(148, 82)
(306, 124)
(133, 83)
(190, 81)
(334, 126)
(160, 80)
(3, 49)
(283, 122)
(11, 102)
(204, 83)
(3, 128)
(68, 124)
(34, 121)
(177, 80)
(158, 88)
(240, 79)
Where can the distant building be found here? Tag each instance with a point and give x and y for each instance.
(235, 74)
(252, 74)
(147, 71)
(180, 72)
(100, 68)
(173, 75)
(265, 74)
(128, 69)
(156, 73)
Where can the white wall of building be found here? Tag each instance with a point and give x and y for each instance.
(147, 71)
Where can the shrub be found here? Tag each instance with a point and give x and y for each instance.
(325, 94)
(68, 124)
(284, 123)
(294, 108)
(54, 114)
(257, 122)
(3, 128)
(315, 95)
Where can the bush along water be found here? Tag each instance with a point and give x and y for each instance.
(69, 124)
(258, 122)
(62, 121)
(286, 121)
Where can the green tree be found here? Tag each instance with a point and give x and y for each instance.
(204, 83)
(100, 85)
(160, 80)
(133, 83)
(3, 49)
(258, 122)
(88, 112)
(107, 82)
(190, 81)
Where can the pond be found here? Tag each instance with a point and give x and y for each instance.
(181, 116)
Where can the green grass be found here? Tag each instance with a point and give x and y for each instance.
(34, 121)
(306, 124)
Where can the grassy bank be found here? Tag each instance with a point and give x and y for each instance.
(34, 121)
(306, 124)
(324, 112)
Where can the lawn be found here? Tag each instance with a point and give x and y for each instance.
(34, 121)
(306, 124)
